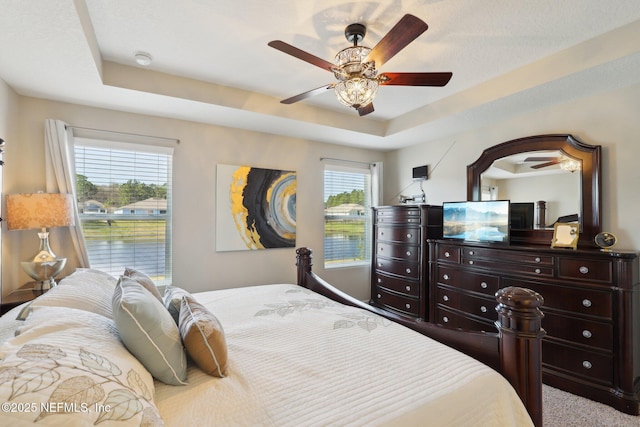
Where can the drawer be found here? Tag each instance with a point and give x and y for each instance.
(398, 216)
(467, 280)
(510, 256)
(479, 306)
(528, 269)
(403, 286)
(580, 331)
(591, 366)
(398, 234)
(399, 251)
(449, 253)
(405, 304)
(452, 319)
(570, 299)
(407, 269)
(586, 269)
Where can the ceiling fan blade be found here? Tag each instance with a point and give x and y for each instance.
(308, 94)
(363, 111)
(300, 54)
(415, 79)
(544, 165)
(403, 33)
(540, 159)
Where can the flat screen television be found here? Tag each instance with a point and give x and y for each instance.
(481, 221)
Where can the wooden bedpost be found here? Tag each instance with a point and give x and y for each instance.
(519, 323)
(303, 261)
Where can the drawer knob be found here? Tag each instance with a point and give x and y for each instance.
(583, 269)
(445, 276)
(379, 296)
(379, 280)
(471, 252)
(408, 253)
(379, 264)
(447, 254)
(537, 271)
(408, 305)
(381, 249)
(586, 302)
(587, 334)
(445, 298)
(445, 319)
(484, 285)
(586, 364)
(537, 259)
(471, 262)
(483, 309)
(409, 235)
(382, 233)
(408, 288)
(408, 270)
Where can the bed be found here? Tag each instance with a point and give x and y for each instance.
(268, 355)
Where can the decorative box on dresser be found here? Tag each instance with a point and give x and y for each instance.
(399, 273)
(591, 308)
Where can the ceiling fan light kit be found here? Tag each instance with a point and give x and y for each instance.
(355, 66)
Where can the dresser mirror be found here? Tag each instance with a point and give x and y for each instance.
(548, 178)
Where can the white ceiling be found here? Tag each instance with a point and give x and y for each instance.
(211, 62)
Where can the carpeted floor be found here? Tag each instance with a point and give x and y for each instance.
(561, 409)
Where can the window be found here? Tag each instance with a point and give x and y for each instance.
(124, 203)
(347, 216)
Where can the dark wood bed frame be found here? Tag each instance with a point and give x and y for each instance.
(515, 350)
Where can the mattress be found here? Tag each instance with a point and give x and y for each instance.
(297, 358)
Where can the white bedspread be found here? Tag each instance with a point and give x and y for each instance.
(299, 359)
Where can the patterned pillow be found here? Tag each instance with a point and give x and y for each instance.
(144, 280)
(68, 367)
(173, 300)
(203, 337)
(85, 289)
(149, 332)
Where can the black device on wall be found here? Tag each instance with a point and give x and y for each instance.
(421, 172)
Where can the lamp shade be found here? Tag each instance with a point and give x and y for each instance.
(39, 210)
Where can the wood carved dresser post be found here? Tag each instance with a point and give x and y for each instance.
(519, 323)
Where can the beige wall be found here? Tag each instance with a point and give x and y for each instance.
(608, 119)
(9, 108)
(196, 264)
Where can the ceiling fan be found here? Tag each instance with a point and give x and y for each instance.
(356, 67)
(565, 163)
(547, 161)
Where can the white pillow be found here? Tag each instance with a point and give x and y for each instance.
(72, 362)
(85, 289)
(149, 332)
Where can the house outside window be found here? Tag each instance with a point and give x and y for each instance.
(124, 199)
(347, 216)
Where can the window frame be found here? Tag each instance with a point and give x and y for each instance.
(361, 169)
(142, 148)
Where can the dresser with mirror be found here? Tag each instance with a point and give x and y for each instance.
(592, 297)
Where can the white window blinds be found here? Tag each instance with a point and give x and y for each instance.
(124, 202)
(347, 216)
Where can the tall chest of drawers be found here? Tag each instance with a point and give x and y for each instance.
(399, 273)
(591, 308)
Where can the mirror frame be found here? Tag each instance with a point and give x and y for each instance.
(590, 181)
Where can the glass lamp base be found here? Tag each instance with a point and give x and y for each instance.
(44, 272)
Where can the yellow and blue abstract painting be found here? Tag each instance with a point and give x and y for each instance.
(256, 208)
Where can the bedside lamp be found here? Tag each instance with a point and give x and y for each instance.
(43, 211)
